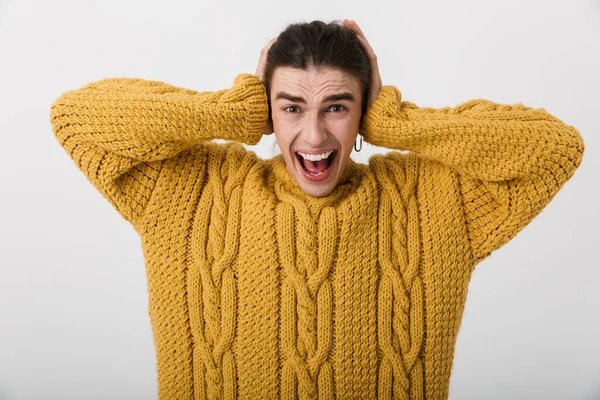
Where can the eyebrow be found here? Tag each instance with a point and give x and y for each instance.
(332, 97)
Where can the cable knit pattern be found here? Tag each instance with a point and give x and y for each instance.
(260, 291)
(400, 294)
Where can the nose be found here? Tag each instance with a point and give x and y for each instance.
(315, 133)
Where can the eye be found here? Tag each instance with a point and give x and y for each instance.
(294, 107)
(290, 107)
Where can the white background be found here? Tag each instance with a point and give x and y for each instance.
(73, 301)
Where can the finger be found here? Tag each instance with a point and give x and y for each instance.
(367, 47)
(364, 40)
(359, 30)
(268, 46)
(352, 25)
(372, 57)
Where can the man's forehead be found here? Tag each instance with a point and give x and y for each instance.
(297, 82)
(313, 77)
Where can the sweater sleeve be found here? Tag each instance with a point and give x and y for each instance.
(119, 131)
(510, 160)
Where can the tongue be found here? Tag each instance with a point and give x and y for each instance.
(315, 166)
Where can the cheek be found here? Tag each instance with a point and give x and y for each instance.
(285, 130)
(280, 123)
(350, 138)
(284, 140)
(287, 124)
(347, 136)
(346, 129)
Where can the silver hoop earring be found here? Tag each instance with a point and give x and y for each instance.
(359, 149)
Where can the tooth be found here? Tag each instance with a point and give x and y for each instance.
(315, 157)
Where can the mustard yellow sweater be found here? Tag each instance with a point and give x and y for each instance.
(259, 291)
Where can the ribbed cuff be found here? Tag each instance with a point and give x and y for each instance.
(257, 108)
(385, 107)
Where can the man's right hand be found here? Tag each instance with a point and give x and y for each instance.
(260, 71)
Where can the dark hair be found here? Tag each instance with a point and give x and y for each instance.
(319, 44)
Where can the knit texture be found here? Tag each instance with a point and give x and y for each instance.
(260, 291)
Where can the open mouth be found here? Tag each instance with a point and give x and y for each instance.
(316, 168)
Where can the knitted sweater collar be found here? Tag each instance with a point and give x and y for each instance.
(287, 189)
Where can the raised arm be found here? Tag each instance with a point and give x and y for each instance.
(119, 131)
(510, 160)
